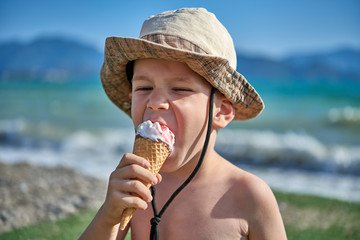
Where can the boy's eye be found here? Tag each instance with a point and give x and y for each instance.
(182, 89)
(143, 88)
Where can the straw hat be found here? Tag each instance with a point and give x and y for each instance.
(190, 35)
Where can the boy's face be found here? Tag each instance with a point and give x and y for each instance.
(172, 94)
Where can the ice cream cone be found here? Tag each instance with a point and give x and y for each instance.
(155, 153)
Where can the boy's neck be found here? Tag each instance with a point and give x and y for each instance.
(179, 176)
(206, 168)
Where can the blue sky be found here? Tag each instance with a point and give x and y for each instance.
(274, 28)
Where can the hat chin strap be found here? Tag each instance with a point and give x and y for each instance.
(154, 233)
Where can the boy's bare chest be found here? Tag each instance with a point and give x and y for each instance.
(194, 214)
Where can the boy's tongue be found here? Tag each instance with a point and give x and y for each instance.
(156, 132)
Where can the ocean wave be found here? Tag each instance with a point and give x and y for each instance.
(94, 154)
(290, 150)
(98, 152)
(259, 152)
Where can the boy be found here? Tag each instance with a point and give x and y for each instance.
(168, 76)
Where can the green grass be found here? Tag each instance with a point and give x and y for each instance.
(334, 232)
(305, 217)
(67, 228)
(309, 217)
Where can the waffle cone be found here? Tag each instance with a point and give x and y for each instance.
(155, 153)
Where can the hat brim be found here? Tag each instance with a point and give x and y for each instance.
(216, 70)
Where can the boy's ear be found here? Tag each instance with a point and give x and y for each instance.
(223, 111)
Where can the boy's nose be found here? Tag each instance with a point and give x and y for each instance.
(158, 101)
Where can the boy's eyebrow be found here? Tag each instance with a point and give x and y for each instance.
(180, 79)
(141, 77)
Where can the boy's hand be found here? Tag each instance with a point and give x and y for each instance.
(127, 187)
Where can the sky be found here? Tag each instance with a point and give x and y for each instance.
(274, 28)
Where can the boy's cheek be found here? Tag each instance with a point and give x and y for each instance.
(136, 115)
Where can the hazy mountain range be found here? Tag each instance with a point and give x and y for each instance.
(59, 58)
(48, 58)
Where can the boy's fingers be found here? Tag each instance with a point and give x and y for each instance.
(132, 187)
(159, 178)
(134, 172)
(129, 159)
(122, 200)
(134, 202)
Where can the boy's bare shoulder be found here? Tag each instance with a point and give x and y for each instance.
(256, 203)
(248, 189)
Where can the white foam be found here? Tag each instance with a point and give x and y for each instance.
(93, 154)
(288, 149)
(334, 186)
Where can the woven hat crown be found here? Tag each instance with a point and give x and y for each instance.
(197, 26)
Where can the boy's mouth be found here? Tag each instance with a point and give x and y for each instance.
(160, 122)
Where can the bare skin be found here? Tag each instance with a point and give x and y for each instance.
(222, 201)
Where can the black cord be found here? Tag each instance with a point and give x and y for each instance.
(154, 233)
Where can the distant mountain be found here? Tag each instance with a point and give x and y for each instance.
(59, 58)
(340, 64)
(48, 58)
(262, 67)
(343, 62)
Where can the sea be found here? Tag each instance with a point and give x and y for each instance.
(306, 141)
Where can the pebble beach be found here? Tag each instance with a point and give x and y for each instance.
(31, 194)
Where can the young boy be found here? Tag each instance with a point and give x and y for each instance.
(168, 76)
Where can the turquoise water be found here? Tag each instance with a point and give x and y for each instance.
(306, 125)
(329, 111)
